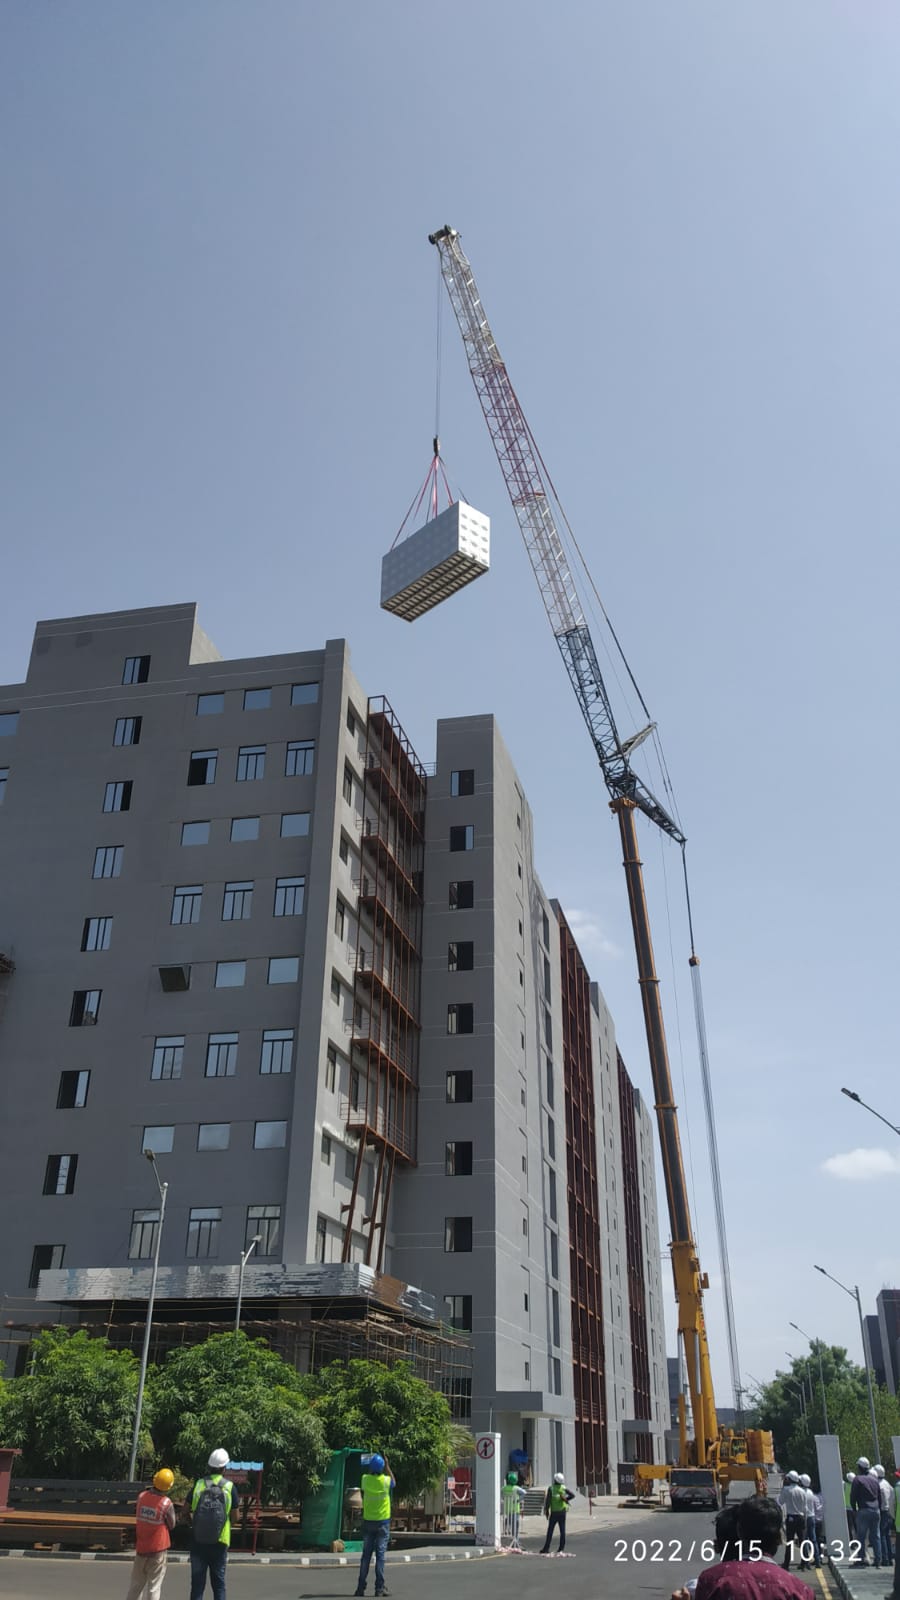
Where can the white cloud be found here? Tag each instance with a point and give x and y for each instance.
(861, 1166)
(590, 937)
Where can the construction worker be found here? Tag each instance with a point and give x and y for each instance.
(865, 1499)
(851, 1514)
(154, 1520)
(556, 1502)
(792, 1501)
(213, 1503)
(810, 1547)
(377, 1483)
(887, 1514)
(895, 1592)
(512, 1497)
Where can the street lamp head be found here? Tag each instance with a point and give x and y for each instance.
(151, 1156)
(851, 1094)
(257, 1239)
(819, 1269)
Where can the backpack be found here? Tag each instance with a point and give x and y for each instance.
(210, 1514)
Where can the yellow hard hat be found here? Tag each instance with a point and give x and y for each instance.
(163, 1479)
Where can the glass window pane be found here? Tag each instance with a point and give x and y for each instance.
(210, 705)
(213, 1135)
(304, 694)
(284, 969)
(257, 699)
(244, 828)
(160, 1140)
(9, 722)
(269, 1135)
(195, 833)
(294, 824)
(230, 974)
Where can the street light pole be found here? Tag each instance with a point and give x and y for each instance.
(852, 1095)
(805, 1382)
(816, 1344)
(145, 1353)
(245, 1256)
(854, 1295)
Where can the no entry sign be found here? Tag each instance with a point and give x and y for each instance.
(485, 1447)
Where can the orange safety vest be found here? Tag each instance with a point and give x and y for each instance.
(152, 1523)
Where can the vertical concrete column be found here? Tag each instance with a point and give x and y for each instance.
(831, 1483)
(487, 1490)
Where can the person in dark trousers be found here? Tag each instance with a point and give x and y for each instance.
(556, 1502)
(865, 1500)
(376, 1484)
(213, 1503)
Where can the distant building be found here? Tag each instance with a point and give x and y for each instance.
(874, 1356)
(888, 1304)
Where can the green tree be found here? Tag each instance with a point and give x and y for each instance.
(368, 1406)
(234, 1392)
(795, 1424)
(72, 1413)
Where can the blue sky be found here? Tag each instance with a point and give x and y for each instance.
(218, 350)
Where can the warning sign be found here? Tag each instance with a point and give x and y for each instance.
(485, 1447)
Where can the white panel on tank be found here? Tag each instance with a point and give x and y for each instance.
(436, 561)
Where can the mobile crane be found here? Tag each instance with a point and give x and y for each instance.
(715, 1455)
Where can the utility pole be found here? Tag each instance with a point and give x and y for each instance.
(854, 1295)
(245, 1256)
(145, 1353)
(816, 1346)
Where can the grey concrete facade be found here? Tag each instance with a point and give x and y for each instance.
(240, 1074)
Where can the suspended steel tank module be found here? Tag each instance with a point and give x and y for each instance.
(434, 562)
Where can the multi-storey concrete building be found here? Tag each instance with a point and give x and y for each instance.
(243, 928)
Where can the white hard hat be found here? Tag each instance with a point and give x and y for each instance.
(878, 1470)
(862, 1464)
(805, 1479)
(218, 1460)
(850, 1476)
(559, 1477)
(791, 1477)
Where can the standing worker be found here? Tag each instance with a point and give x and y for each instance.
(154, 1521)
(811, 1541)
(865, 1499)
(213, 1503)
(887, 1515)
(512, 1499)
(377, 1483)
(851, 1514)
(556, 1502)
(792, 1501)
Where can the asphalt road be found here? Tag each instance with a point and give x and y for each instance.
(609, 1562)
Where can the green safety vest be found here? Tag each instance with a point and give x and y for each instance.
(896, 1489)
(558, 1501)
(376, 1493)
(227, 1485)
(512, 1499)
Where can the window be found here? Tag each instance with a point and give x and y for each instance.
(304, 694)
(458, 1158)
(354, 1085)
(85, 1008)
(299, 758)
(343, 847)
(73, 1090)
(546, 978)
(144, 1229)
(457, 1233)
(351, 720)
(549, 1074)
(551, 1193)
(462, 838)
(203, 1231)
(243, 828)
(251, 763)
(525, 1224)
(127, 730)
(210, 705)
(557, 1384)
(340, 918)
(294, 824)
(459, 1088)
(237, 901)
(96, 933)
(554, 1303)
(117, 796)
(545, 928)
(266, 1222)
(44, 1258)
(175, 979)
(168, 1054)
(321, 1239)
(284, 969)
(269, 1135)
(554, 1255)
(136, 669)
(158, 1139)
(463, 782)
(331, 1068)
(326, 1150)
(186, 903)
(551, 1138)
(462, 895)
(460, 1019)
(202, 767)
(548, 1029)
(107, 861)
(461, 956)
(289, 894)
(9, 722)
(221, 1055)
(59, 1177)
(336, 991)
(230, 974)
(277, 1051)
(213, 1136)
(458, 1311)
(195, 833)
(257, 699)
(4, 779)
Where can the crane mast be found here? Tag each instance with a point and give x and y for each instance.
(532, 501)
